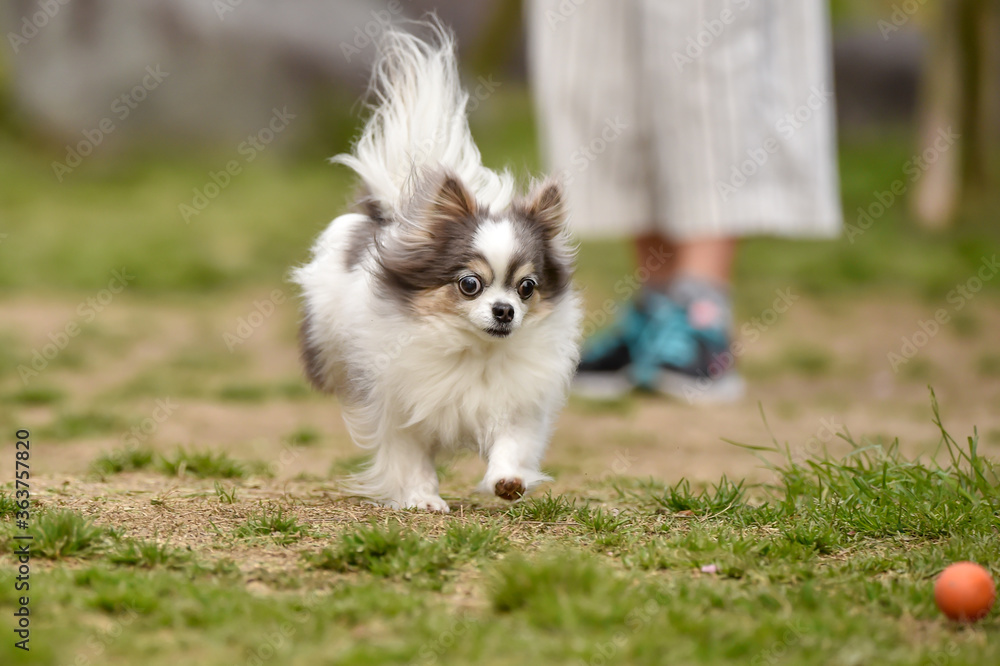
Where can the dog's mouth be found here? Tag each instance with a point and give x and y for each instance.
(499, 331)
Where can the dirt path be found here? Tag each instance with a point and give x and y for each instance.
(820, 367)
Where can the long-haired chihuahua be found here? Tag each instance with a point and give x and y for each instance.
(442, 313)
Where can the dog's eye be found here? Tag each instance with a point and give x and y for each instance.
(470, 285)
(526, 288)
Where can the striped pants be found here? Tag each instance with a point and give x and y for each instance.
(691, 118)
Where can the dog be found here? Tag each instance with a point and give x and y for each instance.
(441, 314)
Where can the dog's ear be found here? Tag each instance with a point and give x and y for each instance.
(452, 201)
(546, 207)
(440, 200)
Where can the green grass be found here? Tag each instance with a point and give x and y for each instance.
(396, 552)
(122, 460)
(835, 555)
(831, 561)
(273, 522)
(147, 554)
(8, 505)
(225, 496)
(76, 425)
(304, 436)
(183, 462)
(264, 222)
(61, 533)
(38, 395)
(208, 464)
(545, 508)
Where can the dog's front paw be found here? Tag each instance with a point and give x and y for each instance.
(509, 489)
(427, 503)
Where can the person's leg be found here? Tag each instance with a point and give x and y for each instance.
(711, 115)
(682, 319)
(658, 255)
(709, 259)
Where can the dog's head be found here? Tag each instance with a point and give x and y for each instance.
(490, 272)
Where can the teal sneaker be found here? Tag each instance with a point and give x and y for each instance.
(686, 354)
(606, 359)
(654, 346)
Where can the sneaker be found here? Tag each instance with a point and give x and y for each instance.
(653, 346)
(606, 359)
(685, 353)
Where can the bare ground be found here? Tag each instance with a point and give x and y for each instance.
(822, 366)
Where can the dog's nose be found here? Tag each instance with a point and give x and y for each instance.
(503, 312)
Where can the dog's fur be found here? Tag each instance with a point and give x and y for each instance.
(421, 366)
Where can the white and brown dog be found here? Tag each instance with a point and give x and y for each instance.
(442, 315)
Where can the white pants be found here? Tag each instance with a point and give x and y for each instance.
(691, 118)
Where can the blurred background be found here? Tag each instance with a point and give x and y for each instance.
(184, 142)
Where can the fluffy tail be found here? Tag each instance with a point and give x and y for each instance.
(418, 123)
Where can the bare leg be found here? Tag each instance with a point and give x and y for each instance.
(658, 256)
(709, 259)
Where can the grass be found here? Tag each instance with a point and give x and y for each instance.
(834, 554)
(273, 522)
(225, 496)
(147, 554)
(183, 462)
(831, 560)
(8, 505)
(128, 459)
(546, 509)
(60, 534)
(75, 425)
(265, 220)
(396, 552)
(38, 395)
(209, 464)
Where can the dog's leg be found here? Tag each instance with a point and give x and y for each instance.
(512, 463)
(402, 475)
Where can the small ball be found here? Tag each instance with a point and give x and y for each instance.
(965, 592)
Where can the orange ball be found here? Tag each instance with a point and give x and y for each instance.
(964, 591)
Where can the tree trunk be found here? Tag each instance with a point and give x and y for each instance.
(959, 92)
